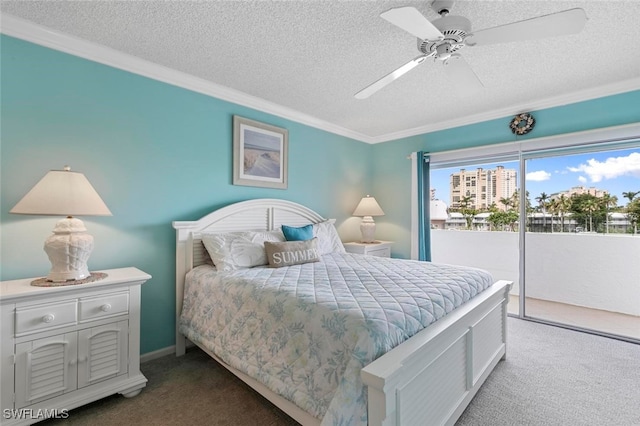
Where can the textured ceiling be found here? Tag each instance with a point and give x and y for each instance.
(313, 56)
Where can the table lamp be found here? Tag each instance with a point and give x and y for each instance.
(65, 193)
(367, 208)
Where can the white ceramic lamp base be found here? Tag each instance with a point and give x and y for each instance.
(69, 249)
(368, 229)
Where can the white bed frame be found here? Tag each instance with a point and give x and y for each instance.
(429, 379)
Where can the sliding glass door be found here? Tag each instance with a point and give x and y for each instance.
(474, 218)
(581, 249)
(570, 244)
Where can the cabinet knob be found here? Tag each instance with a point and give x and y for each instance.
(48, 318)
(106, 307)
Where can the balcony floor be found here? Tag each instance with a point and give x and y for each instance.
(593, 319)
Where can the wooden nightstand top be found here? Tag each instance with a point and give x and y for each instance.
(378, 248)
(15, 289)
(377, 243)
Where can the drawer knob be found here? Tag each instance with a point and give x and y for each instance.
(106, 307)
(48, 318)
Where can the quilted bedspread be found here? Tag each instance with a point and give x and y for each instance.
(306, 331)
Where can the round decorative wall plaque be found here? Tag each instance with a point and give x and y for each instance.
(522, 124)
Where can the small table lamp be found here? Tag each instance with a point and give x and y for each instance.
(66, 193)
(367, 208)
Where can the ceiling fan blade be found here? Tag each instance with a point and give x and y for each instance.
(464, 76)
(570, 21)
(374, 87)
(413, 22)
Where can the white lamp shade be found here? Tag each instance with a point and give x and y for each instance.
(368, 206)
(62, 193)
(65, 193)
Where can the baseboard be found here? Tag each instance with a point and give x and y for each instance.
(150, 356)
(169, 350)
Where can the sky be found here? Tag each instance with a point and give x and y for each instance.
(614, 171)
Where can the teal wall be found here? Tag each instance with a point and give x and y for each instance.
(158, 153)
(392, 177)
(155, 153)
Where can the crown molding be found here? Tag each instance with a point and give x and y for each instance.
(565, 99)
(28, 31)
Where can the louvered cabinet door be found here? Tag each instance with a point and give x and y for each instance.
(102, 352)
(65, 346)
(45, 368)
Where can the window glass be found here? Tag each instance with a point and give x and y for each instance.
(581, 240)
(576, 264)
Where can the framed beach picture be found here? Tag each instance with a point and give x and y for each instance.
(259, 154)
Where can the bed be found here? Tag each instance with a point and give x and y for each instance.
(427, 378)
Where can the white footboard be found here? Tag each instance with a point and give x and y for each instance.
(431, 378)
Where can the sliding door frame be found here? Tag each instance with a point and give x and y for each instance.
(593, 140)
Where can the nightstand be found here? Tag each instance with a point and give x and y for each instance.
(66, 346)
(379, 248)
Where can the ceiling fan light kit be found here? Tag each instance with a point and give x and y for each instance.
(444, 36)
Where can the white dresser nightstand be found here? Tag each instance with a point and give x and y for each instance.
(379, 248)
(66, 346)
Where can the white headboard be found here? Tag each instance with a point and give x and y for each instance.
(264, 214)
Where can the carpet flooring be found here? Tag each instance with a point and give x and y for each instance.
(551, 376)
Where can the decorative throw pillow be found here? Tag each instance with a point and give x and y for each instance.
(328, 238)
(302, 233)
(237, 250)
(291, 252)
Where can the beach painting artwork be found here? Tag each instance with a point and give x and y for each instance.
(259, 154)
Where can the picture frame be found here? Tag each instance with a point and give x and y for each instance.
(260, 154)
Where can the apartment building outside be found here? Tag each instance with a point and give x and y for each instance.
(580, 190)
(483, 187)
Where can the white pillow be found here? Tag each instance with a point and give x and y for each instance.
(328, 238)
(236, 250)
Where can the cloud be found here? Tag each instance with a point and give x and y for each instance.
(611, 168)
(582, 179)
(538, 176)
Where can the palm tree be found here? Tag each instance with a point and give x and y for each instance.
(608, 201)
(590, 205)
(633, 213)
(515, 199)
(564, 205)
(554, 209)
(515, 203)
(542, 200)
(467, 212)
(633, 208)
(465, 201)
(630, 195)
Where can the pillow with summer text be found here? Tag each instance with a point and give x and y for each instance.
(291, 252)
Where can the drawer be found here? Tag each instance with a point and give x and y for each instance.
(92, 308)
(381, 252)
(33, 319)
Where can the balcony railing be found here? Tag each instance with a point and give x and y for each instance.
(593, 271)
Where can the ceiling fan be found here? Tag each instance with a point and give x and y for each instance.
(442, 38)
